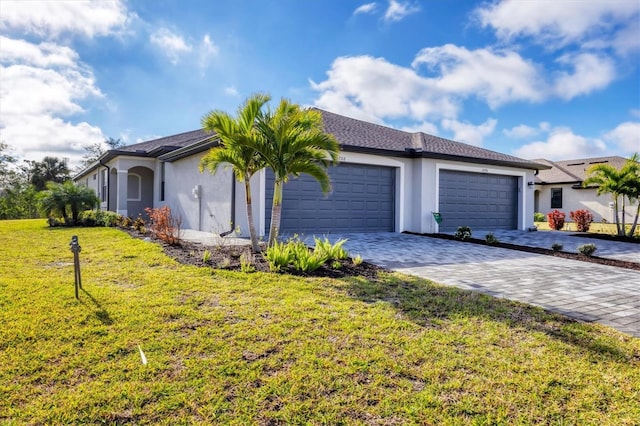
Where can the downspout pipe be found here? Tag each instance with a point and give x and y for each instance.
(233, 207)
(107, 195)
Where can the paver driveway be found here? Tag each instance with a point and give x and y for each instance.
(586, 291)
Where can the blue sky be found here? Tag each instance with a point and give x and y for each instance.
(550, 79)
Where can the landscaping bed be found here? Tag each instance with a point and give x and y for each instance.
(539, 250)
(228, 257)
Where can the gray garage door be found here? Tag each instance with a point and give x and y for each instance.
(362, 201)
(478, 200)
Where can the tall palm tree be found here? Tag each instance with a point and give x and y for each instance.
(236, 136)
(293, 142)
(50, 169)
(631, 186)
(618, 183)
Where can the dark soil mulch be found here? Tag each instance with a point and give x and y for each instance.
(625, 239)
(548, 252)
(227, 257)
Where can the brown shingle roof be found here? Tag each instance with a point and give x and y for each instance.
(353, 134)
(573, 171)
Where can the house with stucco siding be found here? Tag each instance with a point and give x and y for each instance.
(559, 187)
(387, 180)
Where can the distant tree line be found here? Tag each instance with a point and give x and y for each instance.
(24, 185)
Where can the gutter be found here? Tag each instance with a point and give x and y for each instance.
(233, 207)
(107, 196)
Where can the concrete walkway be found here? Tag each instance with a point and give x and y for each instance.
(586, 291)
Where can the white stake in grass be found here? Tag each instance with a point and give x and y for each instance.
(142, 356)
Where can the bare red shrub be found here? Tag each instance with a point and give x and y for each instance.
(582, 218)
(556, 219)
(164, 225)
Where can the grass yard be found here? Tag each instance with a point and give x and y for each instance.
(236, 348)
(594, 228)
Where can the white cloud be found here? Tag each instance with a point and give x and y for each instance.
(470, 133)
(626, 136)
(171, 44)
(562, 144)
(526, 132)
(398, 10)
(43, 55)
(43, 86)
(555, 23)
(48, 18)
(590, 72)
(424, 127)
(373, 89)
(521, 132)
(231, 91)
(497, 77)
(365, 8)
(207, 50)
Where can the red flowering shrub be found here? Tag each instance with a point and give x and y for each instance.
(556, 219)
(164, 226)
(582, 218)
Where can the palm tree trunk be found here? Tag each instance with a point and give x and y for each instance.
(624, 224)
(252, 226)
(276, 211)
(635, 221)
(617, 215)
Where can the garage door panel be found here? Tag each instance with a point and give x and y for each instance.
(477, 200)
(362, 200)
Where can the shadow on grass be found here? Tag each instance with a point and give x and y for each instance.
(101, 314)
(428, 305)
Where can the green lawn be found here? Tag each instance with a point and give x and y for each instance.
(595, 228)
(235, 348)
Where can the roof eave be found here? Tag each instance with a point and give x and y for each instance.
(194, 148)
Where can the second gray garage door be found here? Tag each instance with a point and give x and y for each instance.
(479, 200)
(362, 201)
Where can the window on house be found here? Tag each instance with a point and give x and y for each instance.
(134, 187)
(94, 176)
(103, 194)
(556, 198)
(162, 181)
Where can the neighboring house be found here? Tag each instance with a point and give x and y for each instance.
(560, 187)
(387, 180)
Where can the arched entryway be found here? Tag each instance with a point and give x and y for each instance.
(139, 190)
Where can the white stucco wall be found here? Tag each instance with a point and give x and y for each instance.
(210, 213)
(579, 199)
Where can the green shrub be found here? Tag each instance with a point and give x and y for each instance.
(296, 255)
(538, 217)
(107, 218)
(491, 239)
(304, 259)
(246, 263)
(279, 255)
(587, 249)
(556, 247)
(206, 256)
(463, 233)
(138, 224)
(330, 251)
(357, 260)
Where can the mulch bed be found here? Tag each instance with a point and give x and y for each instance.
(538, 250)
(227, 257)
(625, 239)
